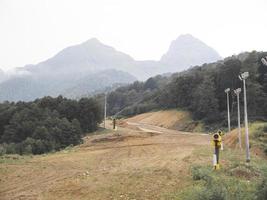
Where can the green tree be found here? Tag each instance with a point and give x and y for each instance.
(205, 104)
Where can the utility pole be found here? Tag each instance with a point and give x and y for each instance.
(228, 110)
(105, 110)
(243, 78)
(237, 92)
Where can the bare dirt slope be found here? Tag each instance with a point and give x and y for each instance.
(171, 119)
(136, 162)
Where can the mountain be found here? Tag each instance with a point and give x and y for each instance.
(93, 66)
(89, 56)
(98, 82)
(188, 51)
(30, 87)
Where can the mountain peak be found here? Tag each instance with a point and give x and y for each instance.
(187, 38)
(187, 35)
(92, 41)
(188, 51)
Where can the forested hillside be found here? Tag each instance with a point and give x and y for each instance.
(199, 90)
(46, 124)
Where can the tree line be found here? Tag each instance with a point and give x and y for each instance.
(46, 124)
(199, 90)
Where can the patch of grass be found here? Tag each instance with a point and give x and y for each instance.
(200, 173)
(199, 127)
(235, 180)
(262, 190)
(258, 130)
(13, 159)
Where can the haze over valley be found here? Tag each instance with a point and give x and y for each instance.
(92, 66)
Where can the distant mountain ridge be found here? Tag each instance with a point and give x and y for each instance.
(188, 51)
(92, 66)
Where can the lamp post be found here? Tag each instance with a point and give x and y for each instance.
(243, 78)
(228, 111)
(264, 61)
(105, 110)
(237, 92)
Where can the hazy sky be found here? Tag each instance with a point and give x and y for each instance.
(34, 30)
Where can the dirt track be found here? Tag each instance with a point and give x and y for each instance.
(138, 161)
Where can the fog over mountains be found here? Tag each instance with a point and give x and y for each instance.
(92, 66)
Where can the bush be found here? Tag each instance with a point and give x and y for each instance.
(262, 190)
(11, 148)
(2, 149)
(200, 173)
(27, 150)
(214, 185)
(213, 192)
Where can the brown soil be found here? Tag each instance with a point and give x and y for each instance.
(171, 119)
(135, 162)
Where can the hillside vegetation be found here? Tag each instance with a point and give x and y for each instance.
(47, 124)
(199, 90)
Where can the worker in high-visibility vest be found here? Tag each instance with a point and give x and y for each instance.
(217, 143)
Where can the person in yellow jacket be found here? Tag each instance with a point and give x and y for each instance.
(217, 143)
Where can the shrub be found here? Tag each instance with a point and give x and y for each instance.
(214, 192)
(215, 186)
(11, 148)
(200, 173)
(2, 149)
(27, 150)
(262, 190)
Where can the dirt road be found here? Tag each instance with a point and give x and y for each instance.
(138, 161)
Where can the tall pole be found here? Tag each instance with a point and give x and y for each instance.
(246, 121)
(243, 78)
(237, 92)
(105, 110)
(228, 109)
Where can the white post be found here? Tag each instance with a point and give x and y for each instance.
(228, 109)
(105, 110)
(246, 122)
(237, 92)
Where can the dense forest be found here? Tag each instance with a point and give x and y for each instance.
(49, 124)
(46, 124)
(199, 90)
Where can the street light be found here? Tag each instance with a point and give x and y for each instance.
(237, 92)
(228, 111)
(264, 61)
(243, 78)
(105, 110)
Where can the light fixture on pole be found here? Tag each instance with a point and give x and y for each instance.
(264, 61)
(237, 92)
(243, 78)
(228, 109)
